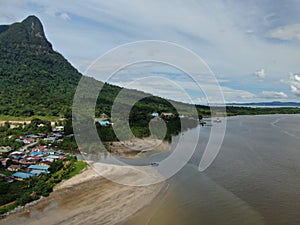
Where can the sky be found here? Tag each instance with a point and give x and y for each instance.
(251, 47)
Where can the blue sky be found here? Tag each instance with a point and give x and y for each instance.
(252, 47)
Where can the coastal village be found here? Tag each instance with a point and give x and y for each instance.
(104, 119)
(33, 158)
(37, 155)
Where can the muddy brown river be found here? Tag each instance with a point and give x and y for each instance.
(255, 180)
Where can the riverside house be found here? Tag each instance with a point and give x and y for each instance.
(167, 114)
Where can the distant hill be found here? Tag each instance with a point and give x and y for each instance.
(267, 104)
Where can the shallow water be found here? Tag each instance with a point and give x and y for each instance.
(254, 180)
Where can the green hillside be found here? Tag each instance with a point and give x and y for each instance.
(34, 79)
(37, 81)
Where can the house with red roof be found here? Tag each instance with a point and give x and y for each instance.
(14, 168)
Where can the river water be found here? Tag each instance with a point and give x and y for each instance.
(254, 180)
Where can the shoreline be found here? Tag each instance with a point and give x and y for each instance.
(63, 184)
(158, 200)
(96, 200)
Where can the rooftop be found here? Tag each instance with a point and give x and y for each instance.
(36, 167)
(22, 175)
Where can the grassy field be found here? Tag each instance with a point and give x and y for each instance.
(8, 207)
(79, 166)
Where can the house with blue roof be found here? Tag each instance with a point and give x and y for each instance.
(37, 167)
(22, 175)
(37, 172)
(104, 122)
(155, 114)
(32, 136)
(16, 157)
(35, 153)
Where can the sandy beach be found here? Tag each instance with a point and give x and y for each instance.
(137, 148)
(89, 198)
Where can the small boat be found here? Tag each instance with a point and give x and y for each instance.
(154, 164)
(217, 120)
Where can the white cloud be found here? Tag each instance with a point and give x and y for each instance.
(273, 95)
(286, 33)
(176, 85)
(295, 84)
(64, 16)
(297, 77)
(260, 73)
(295, 90)
(233, 95)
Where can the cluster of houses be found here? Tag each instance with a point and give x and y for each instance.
(33, 159)
(31, 162)
(104, 120)
(163, 114)
(31, 138)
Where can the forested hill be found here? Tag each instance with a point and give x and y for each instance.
(34, 79)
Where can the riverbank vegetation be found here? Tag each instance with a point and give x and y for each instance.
(234, 111)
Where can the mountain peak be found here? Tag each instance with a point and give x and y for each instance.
(34, 26)
(28, 34)
(32, 18)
